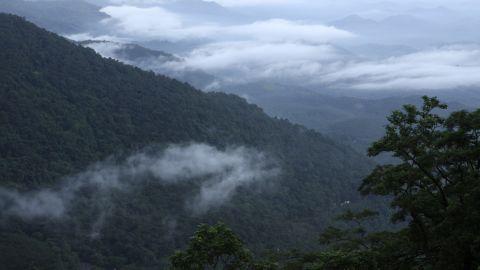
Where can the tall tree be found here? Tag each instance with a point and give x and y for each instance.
(436, 185)
(212, 247)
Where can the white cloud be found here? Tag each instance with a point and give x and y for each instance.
(300, 51)
(107, 49)
(144, 22)
(243, 61)
(279, 30)
(157, 22)
(312, 65)
(237, 3)
(224, 170)
(138, 2)
(33, 204)
(442, 68)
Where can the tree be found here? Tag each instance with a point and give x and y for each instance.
(350, 246)
(435, 187)
(213, 247)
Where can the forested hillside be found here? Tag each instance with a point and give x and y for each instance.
(150, 60)
(63, 108)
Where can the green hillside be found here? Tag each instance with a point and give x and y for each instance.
(63, 108)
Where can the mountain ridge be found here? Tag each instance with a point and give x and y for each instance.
(78, 108)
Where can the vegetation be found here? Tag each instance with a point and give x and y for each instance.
(215, 247)
(436, 187)
(435, 191)
(63, 107)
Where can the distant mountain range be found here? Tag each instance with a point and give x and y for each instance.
(60, 16)
(356, 121)
(409, 29)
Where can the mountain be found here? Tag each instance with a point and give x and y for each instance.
(60, 16)
(64, 107)
(199, 10)
(127, 51)
(204, 10)
(151, 60)
(400, 29)
(378, 51)
(356, 121)
(354, 22)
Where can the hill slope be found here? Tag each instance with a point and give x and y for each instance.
(150, 60)
(63, 107)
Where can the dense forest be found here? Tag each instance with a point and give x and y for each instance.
(63, 108)
(435, 191)
(106, 166)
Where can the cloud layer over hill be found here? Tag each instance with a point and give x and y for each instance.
(220, 174)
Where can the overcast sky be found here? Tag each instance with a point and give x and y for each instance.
(357, 44)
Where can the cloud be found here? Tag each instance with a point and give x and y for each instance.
(442, 68)
(144, 22)
(224, 170)
(310, 65)
(243, 61)
(107, 49)
(280, 30)
(300, 51)
(260, 49)
(228, 170)
(32, 204)
(346, 4)
(157, 22)
(237, 3)
(138, 2)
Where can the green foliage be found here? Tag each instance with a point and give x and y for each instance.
(436, 186)
(435, 189)
(63, 107)
(18, 251)
(212, 247)
(354, 237)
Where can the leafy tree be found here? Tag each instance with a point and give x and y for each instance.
(435, 187)
(348, 248)
(212, 247)
(354, 237)
(435, 190)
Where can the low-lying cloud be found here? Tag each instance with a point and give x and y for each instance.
(222, 172)
(293, 47)
(325, 65)
(248, 61)
(32, 204)
(156, 22)
(442, 68)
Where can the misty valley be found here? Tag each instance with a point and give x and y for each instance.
(239, 134)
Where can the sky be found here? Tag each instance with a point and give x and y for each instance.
(359, 45)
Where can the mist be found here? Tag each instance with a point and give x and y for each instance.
(220, 172)
(356, 45)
